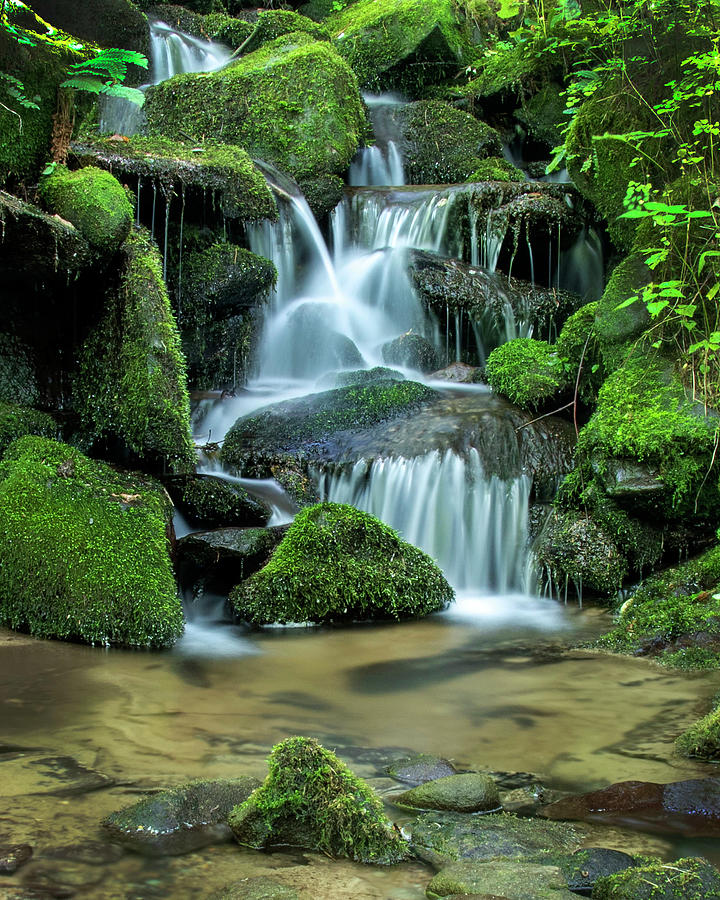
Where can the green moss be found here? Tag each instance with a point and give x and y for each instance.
(338, 564)
(84, 550)
(691, 878)
(311, 799)
(18, 379)
(543, 115)
(577, 346)
(380, 40)
(528, 372)
(227, 29)
(702, 739)
(616, 328)
(644, 414)
(93, 201)
(509, 67)
(17, 421)
(226, 171)
(131, 384)
(495, 168)
(322, 194)
(274, 23)
(294, 103)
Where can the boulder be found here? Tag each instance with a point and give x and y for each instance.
(618, 325)
(412, 351)
(227, 30)
(418, 769)
(17, 421)
(311, 799)
(692, 878)
(528, 372)
(84, 550)
(338, 564)
(108, 23)
(223, 280)
(583, 868)
(470, 792)
(500, 878)
(214, 502)
(181, 819)
(293, 103)
(309, 343)
(274, 23)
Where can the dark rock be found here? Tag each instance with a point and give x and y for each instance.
(470, 792)
(460, 373)
(583, 868)
(627, 481)
(418, 769)
(222, 280)
(500, 878)
(181, 819)
(109, 23)
(64, 776)
(214, 502)
(92, 853)
(411, 350)
(362, 376)
(309, 344)
(11, 858)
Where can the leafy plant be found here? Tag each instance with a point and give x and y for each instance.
(105, 73)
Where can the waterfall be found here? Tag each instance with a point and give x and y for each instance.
(475, 527)
(172, 52)
(381, 164)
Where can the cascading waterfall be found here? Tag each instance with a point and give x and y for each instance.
(382, 164)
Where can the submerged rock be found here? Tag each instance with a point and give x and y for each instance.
(419, 769)
(84, 549)
(467, 793)
(411, 350)
(214, 502)
(261, 888)
(181, 819)
(500, 878)
(692, 878)
(338, 564)
(311, 799)
(11, 858)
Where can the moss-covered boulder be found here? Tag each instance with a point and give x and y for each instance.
(294, 103)
(400, 44)
(227, 29)
(17, 421)
(84, 550)
(181, 819)
(500, 878)
(529, 373)
(311, 799)
(338, 564)
(274, 23)
(131, 386)
(108, 23)
(322, 194)
(495, 168)
(443, 144)
(691, 878)
(468, 793)
(617, 325)
(543, 115)
(578, 348)
(224, 279)
(411, 350)
(702, 739)
(93, 201)
(213, 502)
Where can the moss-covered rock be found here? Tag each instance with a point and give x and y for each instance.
(495, 168)
(468, 793)
(322, 194)
(338, 564)
(93, 201)
(311, 799)
(616, 328)
(500, 878)
(400, 44)
(543, 115)
(17, 421)
(131, 388)
(227, 29)
(108, 23)
(274, 23)
(691, 878)
(294, 103)
(528, 372)
(578, 348)
(214, 502)
(411, 350)
(181, 819)
(222, 280)
(84, 550)
(702, 739)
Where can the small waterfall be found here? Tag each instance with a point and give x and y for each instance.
(172, 52)
(475, 527)
(382, 164)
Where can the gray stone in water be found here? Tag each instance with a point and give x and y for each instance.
(257, 889)
(418, 769)
(471, 792)
(181, 819)
(500, 878)
(214, 502)
(584, 867)
(11, 858)
(411, 350)
(459, 373)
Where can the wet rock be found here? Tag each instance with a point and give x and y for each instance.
(525, 800)
(213, 502)
(361, 376)
(459, 373)
(411, 350)
(690, 807)
(500, 878)
(692, 878)
(470, 792)
(257, 889)
(310, 344)
(419, 769)
(627, 480)
(109, 23)
(215, 561)
(222, 280)
(583, 868)
(181, 819)
(442, 838)
(92, 853)
(11, 858)
(64, 879)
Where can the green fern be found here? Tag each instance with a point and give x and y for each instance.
(105, 72)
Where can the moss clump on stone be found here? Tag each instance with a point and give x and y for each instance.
(214, 502)
(311, 799)
(691, 878)
(616, 328)
(338, 564)
(131, 386)
(543, 115)
(227, 29)
(274, 23)
(294, 103)
(380, 39)
(495, 168)
(322, 194)
(528, 372)
(17, 421)
(93, 201)
(84, 550)
(702, 739)
(108, 23)
(577, 346)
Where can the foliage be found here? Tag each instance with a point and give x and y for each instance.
(105, 73)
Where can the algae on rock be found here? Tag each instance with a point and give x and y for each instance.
(84, 549)
(18, 421)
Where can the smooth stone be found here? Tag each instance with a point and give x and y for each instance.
(11, 858)
(585, 866)
(418, 769)
(471, 792)
(500, 878)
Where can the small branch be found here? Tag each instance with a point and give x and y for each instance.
(545, 415)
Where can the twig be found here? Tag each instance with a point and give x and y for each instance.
(545, 415)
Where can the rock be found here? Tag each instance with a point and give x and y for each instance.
(470, 792)
(411, 350)
(627, 479)
(31, 772)
(692, 878)
(311, 799)
(93, 201)
(528, 372)
(322, 194)
(131, 384)
(500, 878)
(214, 502)
(309, 343)
(274, 23)
(109, 23)
(419, 769)
(17, 421)
(223, 280)
(691, 807)
(442, 838)
(11, 858)
(583, 868)
(257, 889)
(496, 168)
(338, 564)
(226, 29)
(293, 103)
(378, 40)
(363, 376)
(182, 819)
(85, 557)
(459, 373)
(215, 561)
(618, 323)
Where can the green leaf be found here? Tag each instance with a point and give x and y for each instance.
(655, 307)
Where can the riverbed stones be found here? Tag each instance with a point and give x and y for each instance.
(213, 502)
(423, 767)
(261, 888)
(467, 793)
(500, 878)
(181, 819)
(11, 858)
(584, 867)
